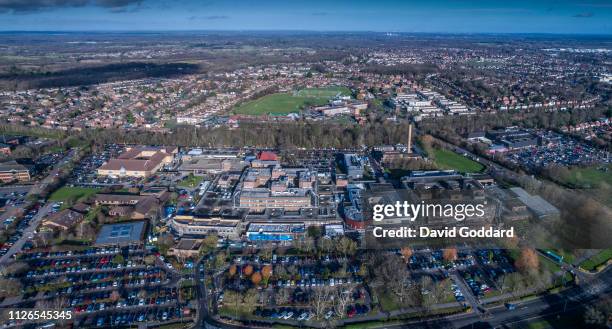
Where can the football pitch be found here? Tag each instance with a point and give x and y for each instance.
(285, 103)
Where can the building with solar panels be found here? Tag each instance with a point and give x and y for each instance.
(128, 233)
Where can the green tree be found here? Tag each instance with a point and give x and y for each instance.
(209, 244)
(118, 259)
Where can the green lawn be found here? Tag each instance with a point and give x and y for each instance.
(72, 193)
(599, 259)
(191, 181)
(446, 159)
(285, 103)
(591, 177)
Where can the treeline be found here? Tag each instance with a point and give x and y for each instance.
(95, 74)
(284, 136)
(274, 135)
(402, 69)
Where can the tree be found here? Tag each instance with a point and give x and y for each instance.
(232, 271)
(592, 315)
(232, 298)
(250, 300)
(266, 273)
(314, 231)
(118, 259)
(15, 268)
(256, 278)
(247, 270)
(393, 274)
(406, 253)
(164, 242)
(325, 245)
(428, 287)
(281, 272)
(209, 244)
(320, 301)
(220, 259)
(528, 261)
(9, 288)
(149, 260)
(306, 245)
(282, 297)
(342, 299)
(266, 252)
(346, 246)
(450, 254)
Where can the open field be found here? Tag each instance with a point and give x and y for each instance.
(72, 193)
(285, 103)
(591, 177)
(450, 160)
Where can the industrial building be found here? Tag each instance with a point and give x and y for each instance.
(193, 226)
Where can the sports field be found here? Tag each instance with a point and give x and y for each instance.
(285, 103)
(446, 159)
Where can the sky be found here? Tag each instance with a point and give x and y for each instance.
(433, 16)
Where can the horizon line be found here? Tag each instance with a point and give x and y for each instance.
(304, 31)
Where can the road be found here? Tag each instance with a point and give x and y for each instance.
(27, 233)
(35, 190)
(200, 280)
(42, 185)
(543, 306)
(466, 291)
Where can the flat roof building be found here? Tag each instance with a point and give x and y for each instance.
(536, 204)
(197, 227)
(275, 231)
(12, 171)
(121, 233)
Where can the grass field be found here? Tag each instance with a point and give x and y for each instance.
(446, 159)
(190, 181)
(599, 259)
(72, 193)
(589, 177)
(285, 103)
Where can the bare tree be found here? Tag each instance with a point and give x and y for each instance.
(320, 301)
(342, 299)
(393, 273)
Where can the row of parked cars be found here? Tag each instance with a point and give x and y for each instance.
(457, 292)
(291, 313)
(147, 316)
(285, 313)
(76, 253)
(19, 229)
(67, 266)
(476, 284)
